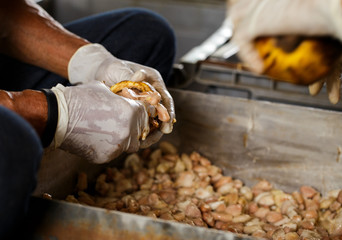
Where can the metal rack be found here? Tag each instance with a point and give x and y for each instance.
(223, 80)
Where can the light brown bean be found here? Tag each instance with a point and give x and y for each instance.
(273, 217)
(234, 210)
(307, 191)
(192, 211)
(241, 218)
(339, 197)
(82, 181)
(251, 229)
(291, 236)
(221, 216)
(222, 181)
(167, 148)
(278, 234)
(189, 189)
(208, 218)
(262, 212)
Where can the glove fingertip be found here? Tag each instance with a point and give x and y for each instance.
(334, 97)
(152, 139)
(139, 76)
(166, 127)
(333, 87)
(145, 132)
(315, 88)
(250, 56)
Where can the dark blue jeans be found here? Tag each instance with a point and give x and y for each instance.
(136, 35)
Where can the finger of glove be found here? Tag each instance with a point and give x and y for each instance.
(243, 36)
(333, 83)
(148, 139)
(167, 127)
(139, 76)
(113, 71)
(150, 111)
(154, 78)
(250, 56)
(167, 101)
(316, 87)
(333, 88)
(151, 139)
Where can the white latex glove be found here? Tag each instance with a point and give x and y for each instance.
(255, 18)
(94, 62)
(97, 124)
(333, 84)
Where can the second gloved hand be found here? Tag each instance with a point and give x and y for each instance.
(258, 18)
(96, 124)
(94, 62)
(333, 84)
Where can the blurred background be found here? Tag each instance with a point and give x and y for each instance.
(205, 61)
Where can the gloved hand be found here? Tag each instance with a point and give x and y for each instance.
(255, 18)
(333, 84)
(94, 62)
(97, 124)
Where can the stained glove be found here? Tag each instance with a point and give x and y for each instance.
(255, 18)
(333, 84)
(96, 124)
(94, 62)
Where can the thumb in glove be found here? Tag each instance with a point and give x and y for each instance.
(333, 84)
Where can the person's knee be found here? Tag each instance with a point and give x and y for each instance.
(155, 21)
(157, 27)
(21, 149)
(21, 152)
(18, 137)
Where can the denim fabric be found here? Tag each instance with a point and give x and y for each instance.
(20, 155)
(137, 35)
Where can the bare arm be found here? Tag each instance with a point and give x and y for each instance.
(29, 104)
(30, 34)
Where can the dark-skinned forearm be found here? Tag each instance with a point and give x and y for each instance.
(30, 34)
(29, 104)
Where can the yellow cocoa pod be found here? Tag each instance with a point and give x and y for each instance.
(298, 60)
(141, 86)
